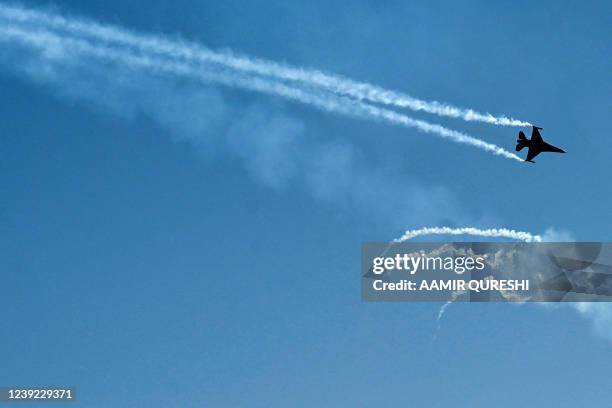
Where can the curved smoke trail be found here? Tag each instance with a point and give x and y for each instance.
(336, 84)
(491, 232)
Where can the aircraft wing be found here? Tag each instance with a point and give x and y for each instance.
(533, 152)
(535, 135)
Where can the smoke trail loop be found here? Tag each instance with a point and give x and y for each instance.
(491, 232)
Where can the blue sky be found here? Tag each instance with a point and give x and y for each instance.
(172, 244)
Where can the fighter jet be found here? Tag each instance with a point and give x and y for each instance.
(536, 145)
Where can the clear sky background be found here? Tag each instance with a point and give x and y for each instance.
(198, 246)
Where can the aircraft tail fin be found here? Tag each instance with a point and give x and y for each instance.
(521, 141)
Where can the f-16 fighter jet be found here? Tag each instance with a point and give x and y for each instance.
(536, 145)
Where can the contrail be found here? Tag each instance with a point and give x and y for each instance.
(56, 46)
(492, 232)
(336, 84)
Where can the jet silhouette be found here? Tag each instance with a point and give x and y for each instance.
(536, 145)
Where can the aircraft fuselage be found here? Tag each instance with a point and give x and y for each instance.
(535, 145)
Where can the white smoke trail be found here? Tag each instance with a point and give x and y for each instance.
(339, 85)
(60, 46)
(443, 309)
(439, 318)
(491, 232)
